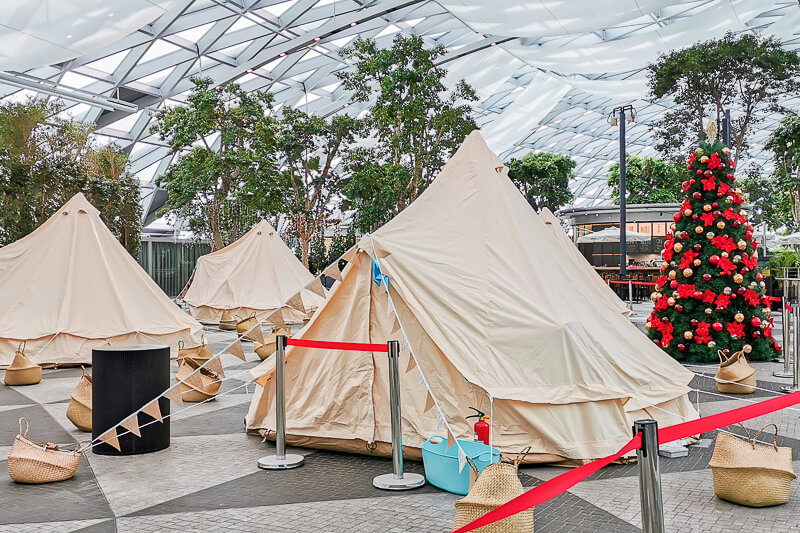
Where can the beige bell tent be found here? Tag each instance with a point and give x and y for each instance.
(589, 278)
(70, 286)
(255, 274)
(491, 308)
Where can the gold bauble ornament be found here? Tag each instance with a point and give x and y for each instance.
(724, 254)
(729, 200)
(648, 326)
(687, 272)
(762, 283)
(687, 335)
(737, 258)
(709, 235)
(738, 278)
(737, 190)
(672, 274)
(747, 348)
(677, 247)
(742, 245)
(687, 212)
(726, 150)
(697, 262)
(707, 207)
(655, 296)
(673, 227)
(664, 265)
(727, 291)
(738, 317)
(711, 344)
(721, 224)
(742, 212)
(671, 300)
(698, 229)
(704, 159)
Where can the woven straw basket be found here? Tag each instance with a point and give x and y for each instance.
(749, 473)
(198, 353)
(80, 404)
(244, 327)
(495, 486)
(270, 343)
(227, 322)
(29, 462)
(22, 370)
(210, 380)
(735, 369)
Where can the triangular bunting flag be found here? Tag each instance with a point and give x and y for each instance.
(450, 439)
(411, 364)
(174, 395)
(215, 365)
(296, 302)
(110, 438)
(390, 308)
(334, 272)
(237, 350)
(277, 319)
(462, 459)
(421, 384)
(403, 344)
(440, 421)
(132, 424)
(154, 410)
(350, 254)
(317, 287)
(429, 403)
(396, 329)
(262, 380)
(256, 334)
(194, 380)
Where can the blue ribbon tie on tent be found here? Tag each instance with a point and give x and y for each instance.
(377, 276)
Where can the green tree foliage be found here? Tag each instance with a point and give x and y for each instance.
(710, 295)
(768, 202)
(543, 179)
(224, 140)
(324, 253)
(754, 74)
(416, 122)
(648, 180)
(784, 143)
(309, 179)
(45, 159)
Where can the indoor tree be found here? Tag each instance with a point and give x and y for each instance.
(309, 178)
(748, 73)
(784, 142)
(710, 295)
(543, 179)
(415, 121)
(648, 180)
(224, 140)
(46, 158)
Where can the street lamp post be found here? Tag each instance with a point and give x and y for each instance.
(619, 116)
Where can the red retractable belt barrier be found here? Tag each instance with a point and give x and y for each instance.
(552, 488)
(617, 282)
(332, 345)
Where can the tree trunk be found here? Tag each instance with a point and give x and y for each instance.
(216, 234)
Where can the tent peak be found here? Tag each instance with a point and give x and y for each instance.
(78, 203)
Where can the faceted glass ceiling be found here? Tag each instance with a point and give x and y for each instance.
(548, 72)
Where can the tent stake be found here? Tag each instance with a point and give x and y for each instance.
(281, 460)
(397, 480)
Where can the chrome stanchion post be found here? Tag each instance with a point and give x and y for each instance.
(397, 480)
(630, 292)
(786, 327)
(281, 460)
(649, 477)
(795, 350)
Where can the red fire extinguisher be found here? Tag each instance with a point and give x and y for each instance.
(481, 427)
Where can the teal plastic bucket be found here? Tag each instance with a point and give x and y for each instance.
(441, 464)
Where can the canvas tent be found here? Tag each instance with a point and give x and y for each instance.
(70, 286)
(491, 311)
(255, 274)
(583, 270)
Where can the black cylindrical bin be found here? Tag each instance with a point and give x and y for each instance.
(125, 379)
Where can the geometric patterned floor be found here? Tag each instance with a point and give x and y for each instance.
(207, 480)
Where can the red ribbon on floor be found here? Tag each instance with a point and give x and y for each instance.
(331, 345)
(552, 488)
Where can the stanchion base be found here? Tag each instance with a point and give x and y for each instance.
(392, 482)
(273, 462)
(782, 374)
(789, 389)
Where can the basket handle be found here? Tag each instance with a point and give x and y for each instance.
(203, 339)
(21, 347)
(521, 456)
(27, 427)
(83, 372)
(181, 344)
(722, 358)
(472, 464)
(774, 438)
(728, 429)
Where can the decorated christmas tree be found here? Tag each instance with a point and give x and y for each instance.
(710, 295)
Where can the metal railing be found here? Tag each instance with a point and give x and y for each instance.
(170, 263)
